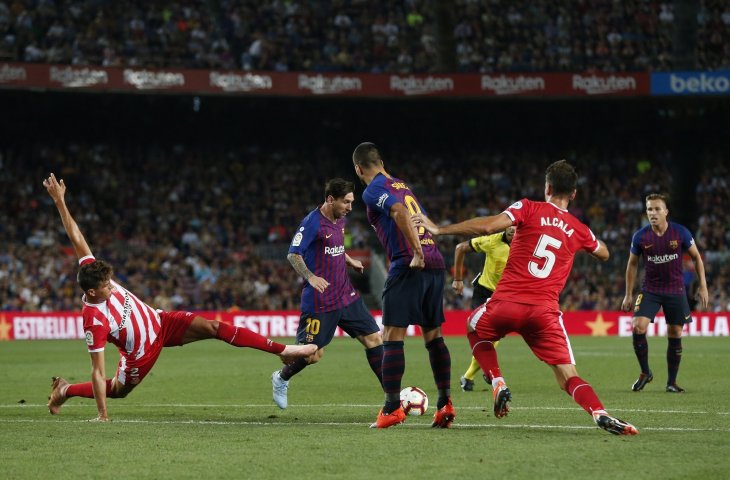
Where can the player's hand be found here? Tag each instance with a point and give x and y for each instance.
(458, 286)
(418, 262)
(357, 265)
(318, 283)
(627, 303)
(703, 296)
(420, 220)
(55, 188)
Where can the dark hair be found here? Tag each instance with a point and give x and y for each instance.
(338, 188)
(658, 196)
(561, 175)
(366, 155)
(94, 274)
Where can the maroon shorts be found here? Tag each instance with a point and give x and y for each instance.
(173, 328)
(540, 326)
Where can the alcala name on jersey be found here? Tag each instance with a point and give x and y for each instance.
(556, 222)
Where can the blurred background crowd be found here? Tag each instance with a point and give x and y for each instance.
(195, 208)
(208, 229)
(363, 35)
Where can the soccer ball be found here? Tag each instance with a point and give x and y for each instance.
(414, 401)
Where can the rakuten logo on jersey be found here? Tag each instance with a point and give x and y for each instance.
(321, 85)
(412, 85)
(699, 84)
(9, 73)
(147, 79)
(662, 258)
(504, 85)
(233, 82)
(334, 251)
(78, 77)
(594, 85)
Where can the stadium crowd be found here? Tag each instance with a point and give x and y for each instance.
(214, 235)
(360, 36)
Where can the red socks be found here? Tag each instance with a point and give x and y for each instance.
(486, 355)
(583, 394)
(243, 337)
(85, 390)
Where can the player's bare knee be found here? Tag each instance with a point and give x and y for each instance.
(315, 357)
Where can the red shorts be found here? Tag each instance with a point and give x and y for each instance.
(540, 326)
(173, 328)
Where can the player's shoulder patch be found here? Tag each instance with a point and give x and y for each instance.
(89, 338)
(297, 239)
(517, 205)
(382, 199)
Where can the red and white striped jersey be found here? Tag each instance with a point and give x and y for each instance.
(124, 320)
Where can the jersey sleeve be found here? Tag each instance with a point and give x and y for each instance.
(591, 243)
(306, 234)
(378, 197)
(519, 211)
(635, 244)
(95, 331)
(687, 239)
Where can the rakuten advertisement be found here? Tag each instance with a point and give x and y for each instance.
(69, 325)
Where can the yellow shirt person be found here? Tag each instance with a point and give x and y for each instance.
(496, 248)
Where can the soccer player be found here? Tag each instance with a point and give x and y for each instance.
(413, 290)
(526, 299)
(661, 244)
(317, 253)
(496, 249)
(113, 314)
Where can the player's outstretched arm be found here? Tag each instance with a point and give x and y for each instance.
(602, 252)
(474, 227)
(57, 191)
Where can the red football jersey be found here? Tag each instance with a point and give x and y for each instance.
(542, 252)
(124, 320)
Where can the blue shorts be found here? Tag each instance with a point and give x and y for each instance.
(319, 328)
(676, 307)
(414, 297)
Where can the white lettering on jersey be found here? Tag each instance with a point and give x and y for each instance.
(334, 251)
(382, 199)
(556, 222)
(662, 258)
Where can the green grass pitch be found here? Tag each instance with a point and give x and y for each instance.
(205, 411)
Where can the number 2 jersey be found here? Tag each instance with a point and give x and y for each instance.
(124, 320)
(542, 252)
(379, 197)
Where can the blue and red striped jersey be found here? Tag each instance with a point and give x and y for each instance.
(662, 257)
(379, 197)
(321, 244)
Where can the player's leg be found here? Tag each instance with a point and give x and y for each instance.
(584, 395)
(480, 295)
(125, 380)
(645, 309)
(677, 313)
(358, 323)
(485, 326)
(187, 328)
(313, 330)
(392, 373)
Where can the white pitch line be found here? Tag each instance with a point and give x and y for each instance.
(344, 405)
(456, 426)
